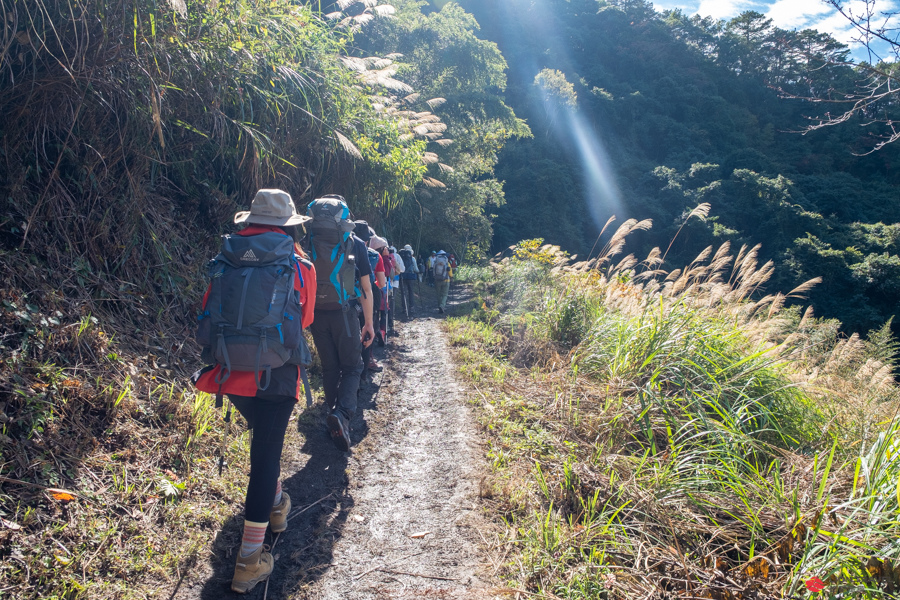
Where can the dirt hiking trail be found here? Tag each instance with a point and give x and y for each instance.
(400, 516)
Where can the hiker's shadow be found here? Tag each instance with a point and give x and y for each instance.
(321, 500)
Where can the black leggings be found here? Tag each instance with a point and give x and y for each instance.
(268, 418)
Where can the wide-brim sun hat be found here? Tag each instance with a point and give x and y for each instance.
(442, 253)
(408, 247)
(377, 243)
(272, 207)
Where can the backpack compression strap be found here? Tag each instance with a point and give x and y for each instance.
(225, 372)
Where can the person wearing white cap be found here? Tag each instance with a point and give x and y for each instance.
(441, 271)
(409, 275)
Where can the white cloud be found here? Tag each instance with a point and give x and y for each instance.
(725, 9)
(797, 14)
(688, 8)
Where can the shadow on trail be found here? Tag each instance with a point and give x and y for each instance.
(321, 493)
(321, 499)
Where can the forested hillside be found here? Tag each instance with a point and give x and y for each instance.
(646, 114)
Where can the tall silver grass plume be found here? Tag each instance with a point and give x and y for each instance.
(625, 264)
(348, 146)
(654, 259)
(384, 10)
(800, 290)
(737, 262)
(435, 102)
(180, 7)
(702, 256)
(807, 316)
(777, 305)
(882, 379)
(363, 18)
(701, 211)
(381, 63)
(721, 259)
(617, 241)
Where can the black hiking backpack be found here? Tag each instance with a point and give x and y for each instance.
(408, 264)
(251, 320)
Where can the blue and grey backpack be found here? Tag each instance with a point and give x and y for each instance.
(252, 317)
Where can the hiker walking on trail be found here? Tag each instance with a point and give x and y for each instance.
(430, 266)
(344, 291)
(263, 288)
(394, 284)
(441, 270)
(409, 275)
(387, 315)
(377, 281)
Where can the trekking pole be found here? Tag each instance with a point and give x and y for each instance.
(225, 434)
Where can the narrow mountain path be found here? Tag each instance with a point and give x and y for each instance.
(400, 516)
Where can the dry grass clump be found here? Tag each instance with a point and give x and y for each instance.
(681, 434)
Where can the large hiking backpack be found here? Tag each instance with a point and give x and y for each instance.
(373, 262)
(331, 248)
(251, 319)
(441, 268)
(408, 265)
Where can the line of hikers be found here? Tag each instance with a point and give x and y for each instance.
(285, 272)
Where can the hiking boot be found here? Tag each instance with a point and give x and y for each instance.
(441, 309)
(250, 570)
(373, 365)
(339, 429)
(278, 516)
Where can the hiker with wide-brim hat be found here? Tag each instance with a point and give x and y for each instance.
(265, 397)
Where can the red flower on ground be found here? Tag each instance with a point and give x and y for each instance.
(815, 585)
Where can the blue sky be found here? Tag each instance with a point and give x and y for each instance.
(787, 14)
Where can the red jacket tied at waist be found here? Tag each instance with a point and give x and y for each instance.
(243, 383)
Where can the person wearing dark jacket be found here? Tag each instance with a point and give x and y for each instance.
(339, 342)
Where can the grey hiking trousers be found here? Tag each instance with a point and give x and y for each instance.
(341, 357)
